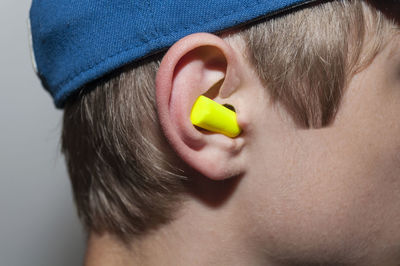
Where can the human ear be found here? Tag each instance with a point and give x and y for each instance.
(201, 64)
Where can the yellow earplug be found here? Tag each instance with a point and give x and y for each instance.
(215, 117)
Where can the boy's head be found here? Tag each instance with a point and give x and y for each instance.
(314, 176)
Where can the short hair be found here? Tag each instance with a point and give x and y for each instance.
(127, 180)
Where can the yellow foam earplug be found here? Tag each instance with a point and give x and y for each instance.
(214, 117)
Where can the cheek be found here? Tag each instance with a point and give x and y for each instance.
(370, 189)
(338, 197)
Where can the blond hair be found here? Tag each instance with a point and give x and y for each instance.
(123, 172)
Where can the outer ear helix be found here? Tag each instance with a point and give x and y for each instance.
(214, 117)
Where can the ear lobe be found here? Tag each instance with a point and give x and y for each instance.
(189, 69)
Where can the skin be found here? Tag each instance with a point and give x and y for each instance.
(333, 194)
(277, 194)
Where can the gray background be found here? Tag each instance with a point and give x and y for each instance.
(38, 222)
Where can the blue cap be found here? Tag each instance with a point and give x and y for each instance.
(78, 41)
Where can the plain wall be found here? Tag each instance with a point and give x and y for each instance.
(38, 221)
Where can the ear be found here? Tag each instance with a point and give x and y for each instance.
(199, 64)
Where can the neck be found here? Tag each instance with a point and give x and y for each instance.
(202, 234)
(199, 236)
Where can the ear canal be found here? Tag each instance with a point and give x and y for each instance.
(230, 107)
(212, 116)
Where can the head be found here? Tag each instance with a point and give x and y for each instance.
(315, 172)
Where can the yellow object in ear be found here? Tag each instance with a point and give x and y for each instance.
(215, 117)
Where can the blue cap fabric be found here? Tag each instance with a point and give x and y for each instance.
(78, 41)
